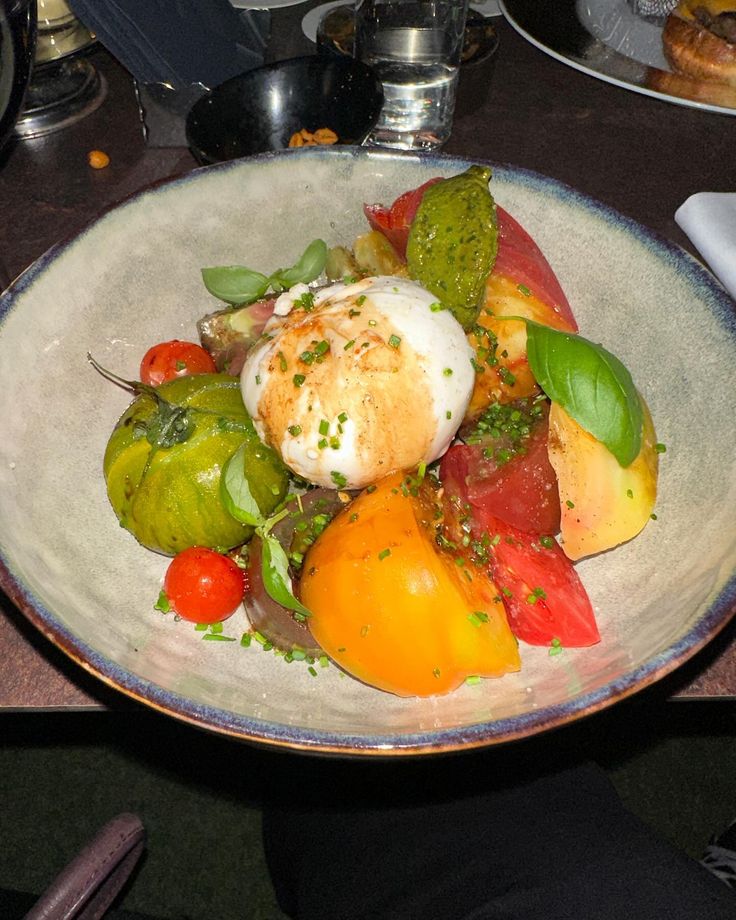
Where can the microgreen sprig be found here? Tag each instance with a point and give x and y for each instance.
(238, 285)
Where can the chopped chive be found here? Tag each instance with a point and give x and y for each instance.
(245, 640)
(162, 603)
(324, 426)
(348, 345)
(384, 553)
(538, 594)
(218, 637)
(394, 341)
(523, 289)
(342, 418)
(472, 679)
(294, 430)
(298, 379)
(339, 479)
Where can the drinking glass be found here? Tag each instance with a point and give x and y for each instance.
(414, 46)
(65, 86)
(17, 43)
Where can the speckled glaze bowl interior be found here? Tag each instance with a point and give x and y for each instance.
(132, 278)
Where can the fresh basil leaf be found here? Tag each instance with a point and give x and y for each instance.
(235, 284)
(591, 385)
(235, 491)
(310, 266)
(276, 578)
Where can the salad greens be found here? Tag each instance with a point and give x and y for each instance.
(239, 501)
(238, 285)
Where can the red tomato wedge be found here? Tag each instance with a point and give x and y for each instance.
(543, 595)
(521, 259)
(545, 601)
(521, 492)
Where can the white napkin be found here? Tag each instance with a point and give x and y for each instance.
(709, 219)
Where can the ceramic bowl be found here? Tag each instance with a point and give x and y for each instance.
(261, 109)
(132, 279)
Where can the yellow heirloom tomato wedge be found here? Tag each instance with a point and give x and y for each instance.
(602, 503)
(392, 608)
(498, 339)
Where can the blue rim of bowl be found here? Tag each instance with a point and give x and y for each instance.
(481, 734)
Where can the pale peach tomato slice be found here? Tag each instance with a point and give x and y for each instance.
(602, 503)
(392, 608)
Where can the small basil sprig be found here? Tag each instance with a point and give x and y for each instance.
(240, 503)
(235, 491)
(591, 385)
(236, 284)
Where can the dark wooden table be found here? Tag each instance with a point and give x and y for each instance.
(637, 154)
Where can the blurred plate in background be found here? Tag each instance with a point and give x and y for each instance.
(607, 40)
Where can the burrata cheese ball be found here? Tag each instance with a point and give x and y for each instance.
(357, 380)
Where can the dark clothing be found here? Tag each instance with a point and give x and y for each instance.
(557, 847)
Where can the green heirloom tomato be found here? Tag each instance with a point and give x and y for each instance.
(164, 459)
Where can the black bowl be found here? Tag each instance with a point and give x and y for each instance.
(259, 110)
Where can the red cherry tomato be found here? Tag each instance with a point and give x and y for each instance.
(204, 586)
(168, 360)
